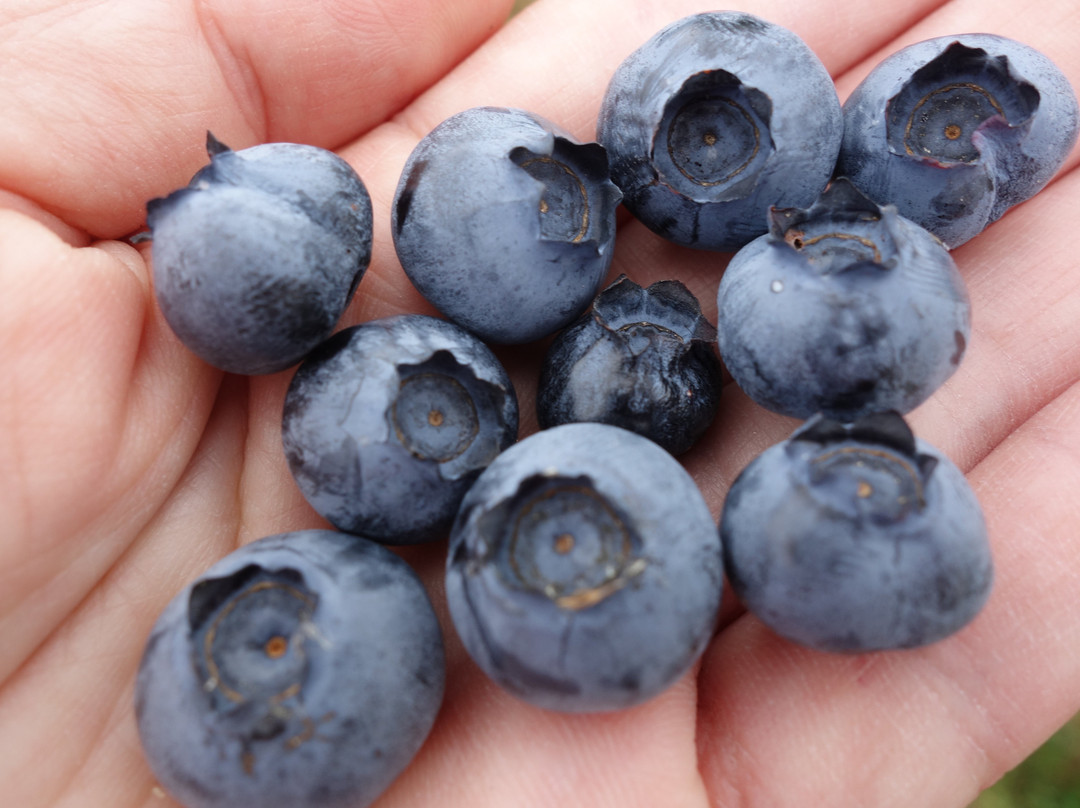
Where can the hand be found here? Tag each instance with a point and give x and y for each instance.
(128, 466)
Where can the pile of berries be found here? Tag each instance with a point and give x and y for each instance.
(584, 568)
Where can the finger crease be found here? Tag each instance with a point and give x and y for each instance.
(237, 71)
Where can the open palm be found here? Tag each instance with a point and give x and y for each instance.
(128, 466)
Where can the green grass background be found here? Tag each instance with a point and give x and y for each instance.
(1050, 778)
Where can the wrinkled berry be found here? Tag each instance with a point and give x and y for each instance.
(642, 359)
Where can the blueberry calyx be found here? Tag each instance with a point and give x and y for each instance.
(436, 414)
(843, 230)
(249, 636)
(888, 430)
(557, 536)
(224, 168)
(568, 177)
(942, 113)
(713, 139)
(840, 200)
(213, 145)
(160, 206)
(208, 595)
(446, 414)
(250, 628)
(665, 305)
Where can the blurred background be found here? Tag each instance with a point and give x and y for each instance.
(1050, 778)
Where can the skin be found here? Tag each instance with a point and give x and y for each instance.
(128, 466)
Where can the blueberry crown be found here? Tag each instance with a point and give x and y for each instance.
(945, 102)
(887, 430)
(211, 594)
(666, 304)
(843, 229)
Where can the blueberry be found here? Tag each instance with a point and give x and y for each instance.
(845, 308)
(388, 423)
(956, 130)
(256, 260)
(714, 119)
(856, 537)
(302, 670)
(584, 571)
(504, 223)
(641, 359)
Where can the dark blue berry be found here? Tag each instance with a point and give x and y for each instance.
(388, 423)
(303, 670)
(256, 260)
(641, 359)
(856, 537)
(505, 223)
(584, 570)
(716, 118)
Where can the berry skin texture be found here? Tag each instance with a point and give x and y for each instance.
(504, 223)
(388, 423)
(584, 569)
(716, 118)
(304, 670)
(956, 130)
(845, 308)
(256, 260)
(858, 537)
(641, 359)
